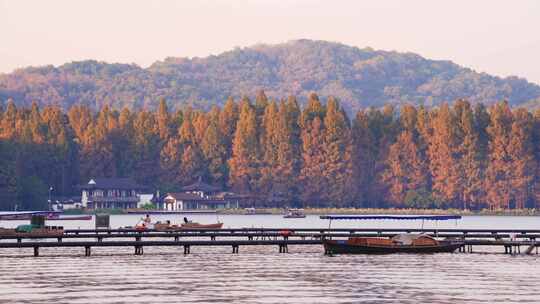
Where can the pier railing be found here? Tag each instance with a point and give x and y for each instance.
(235, 237)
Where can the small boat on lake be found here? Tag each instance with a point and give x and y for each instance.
(193, 225)
(27, 215)
(36, 227)
(159, 226)
(167, 226)
(295, 213)
(400, 243)
(145, 224)
(253, 211)
(70, 218)
(49, 215)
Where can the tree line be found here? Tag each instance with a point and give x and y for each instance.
(458, 156)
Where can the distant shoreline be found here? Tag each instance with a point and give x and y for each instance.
(376, 211)
(344, 211)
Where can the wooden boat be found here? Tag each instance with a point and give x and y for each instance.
(403, 243)
(27, 215)
(7, 232)
(167, 226)
(71, 218)
(295, 213)
(32, 230)
(36, 228)
(253, 211)
(193, 225)
(166, 212)
(49, 215)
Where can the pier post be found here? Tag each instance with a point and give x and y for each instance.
(36, 251)
(87, 251)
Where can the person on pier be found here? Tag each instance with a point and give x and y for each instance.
(147, 219)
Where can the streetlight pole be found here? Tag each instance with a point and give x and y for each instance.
(50, 201)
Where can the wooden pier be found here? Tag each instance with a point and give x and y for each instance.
(510, 240)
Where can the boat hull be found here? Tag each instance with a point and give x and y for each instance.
(37, 232)
(343, 247)
(201, 226)
(71, 218)
(49, 217)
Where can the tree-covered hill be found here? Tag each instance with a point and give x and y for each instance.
(358, 77)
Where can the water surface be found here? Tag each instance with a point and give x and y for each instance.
(262, 275)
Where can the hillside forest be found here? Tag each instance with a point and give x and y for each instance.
(450, 156)
(359, 78)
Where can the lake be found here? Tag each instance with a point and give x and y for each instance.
(260, 274)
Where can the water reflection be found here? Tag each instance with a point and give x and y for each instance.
(261, 275)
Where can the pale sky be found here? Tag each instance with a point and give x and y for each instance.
(497, 37)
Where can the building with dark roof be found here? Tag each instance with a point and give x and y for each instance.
(200, 195)
(110, 193)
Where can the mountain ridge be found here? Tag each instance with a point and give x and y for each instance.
(359, 77)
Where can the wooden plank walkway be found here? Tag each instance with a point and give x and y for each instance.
(510, 240)
(264, 235)
(320, 230)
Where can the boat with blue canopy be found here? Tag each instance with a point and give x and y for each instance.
(399, 243)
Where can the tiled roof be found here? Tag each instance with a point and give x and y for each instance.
(181, 196)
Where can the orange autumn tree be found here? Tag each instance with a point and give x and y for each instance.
(280, 153)
(406, 167)
(443, 153)
(497, 181)
(243, 175)
(520, 151)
